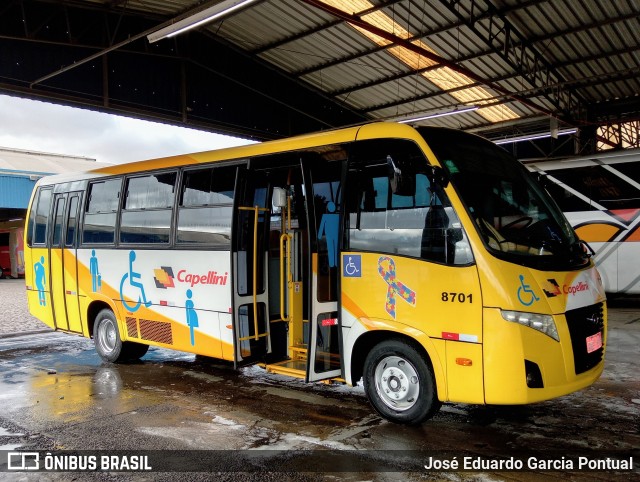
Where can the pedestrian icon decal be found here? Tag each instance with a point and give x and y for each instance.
(387, 269)
(39, 271)
(329, 227)
(96, 277)
(192, 316)
(134, 283)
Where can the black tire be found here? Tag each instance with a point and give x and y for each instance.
(134, 350)
(109, 345)
(399, 383)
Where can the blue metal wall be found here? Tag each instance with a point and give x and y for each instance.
(15, 191)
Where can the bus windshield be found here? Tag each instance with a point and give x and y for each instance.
(516, 218)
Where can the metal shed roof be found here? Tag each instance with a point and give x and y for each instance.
(512, 66)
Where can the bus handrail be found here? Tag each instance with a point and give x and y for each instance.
(256, 210)
(285, 245)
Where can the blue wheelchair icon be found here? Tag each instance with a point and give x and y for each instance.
(134, 282)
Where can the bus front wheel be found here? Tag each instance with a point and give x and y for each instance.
(399, 383)
(108, 343)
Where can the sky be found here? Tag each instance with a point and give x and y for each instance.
(44, 127)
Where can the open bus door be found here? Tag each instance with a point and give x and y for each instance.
(280, 275)
(249, 257)
(324, 181)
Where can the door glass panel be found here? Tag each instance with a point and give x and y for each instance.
(255, 194)
(246, 329)
(70, 237)
(327, 200)
(327, 350)
(57, 227)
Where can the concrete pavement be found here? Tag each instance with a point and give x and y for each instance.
(14, 312)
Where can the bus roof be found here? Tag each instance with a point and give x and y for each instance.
(349, 134)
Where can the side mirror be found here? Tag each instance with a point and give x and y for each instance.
(438, 176)
(279, 199)
(402, 183)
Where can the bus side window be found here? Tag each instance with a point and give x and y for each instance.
(206, 205)
(419, 222)
(102, 206)
(148, 207)
(37, 229)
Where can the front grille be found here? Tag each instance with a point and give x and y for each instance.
(585, 322)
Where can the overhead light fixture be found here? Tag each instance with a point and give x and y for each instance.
(197, 19)
(534, 137)
(442, 114)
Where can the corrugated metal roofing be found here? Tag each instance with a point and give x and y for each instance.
(560, 56)
(521, 62)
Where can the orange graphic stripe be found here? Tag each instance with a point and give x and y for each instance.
(597, 232)
(352, 307)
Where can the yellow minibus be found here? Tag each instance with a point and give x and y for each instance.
(426, 262)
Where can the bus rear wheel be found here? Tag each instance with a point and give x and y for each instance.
(399, 383)
(108, 343)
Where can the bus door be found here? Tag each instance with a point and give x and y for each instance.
(270, 259)
(270, 242)
(249, 259)
(323, 178)
(279, 213)
(63, 263)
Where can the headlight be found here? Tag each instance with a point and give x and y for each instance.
(542, 323)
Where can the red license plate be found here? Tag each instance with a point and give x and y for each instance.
(594, 342)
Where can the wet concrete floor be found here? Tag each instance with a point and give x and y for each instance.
(56, 394)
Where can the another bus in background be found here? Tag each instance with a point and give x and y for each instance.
(600, 196)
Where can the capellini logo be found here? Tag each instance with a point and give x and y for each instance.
(208, 278)
(551, 288)
(164, 277)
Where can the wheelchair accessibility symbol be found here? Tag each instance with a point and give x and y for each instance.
(133, 278)
(351, 266)
(526, 295)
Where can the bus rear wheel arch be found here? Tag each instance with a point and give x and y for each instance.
(399, 382)
(108, 343)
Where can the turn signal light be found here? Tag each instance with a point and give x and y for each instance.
(465, 362)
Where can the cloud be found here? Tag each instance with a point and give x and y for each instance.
(45, 127)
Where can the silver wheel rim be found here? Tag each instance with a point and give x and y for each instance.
(107, 335)
(397, 383)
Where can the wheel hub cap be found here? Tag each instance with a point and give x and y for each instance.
(397, 383)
